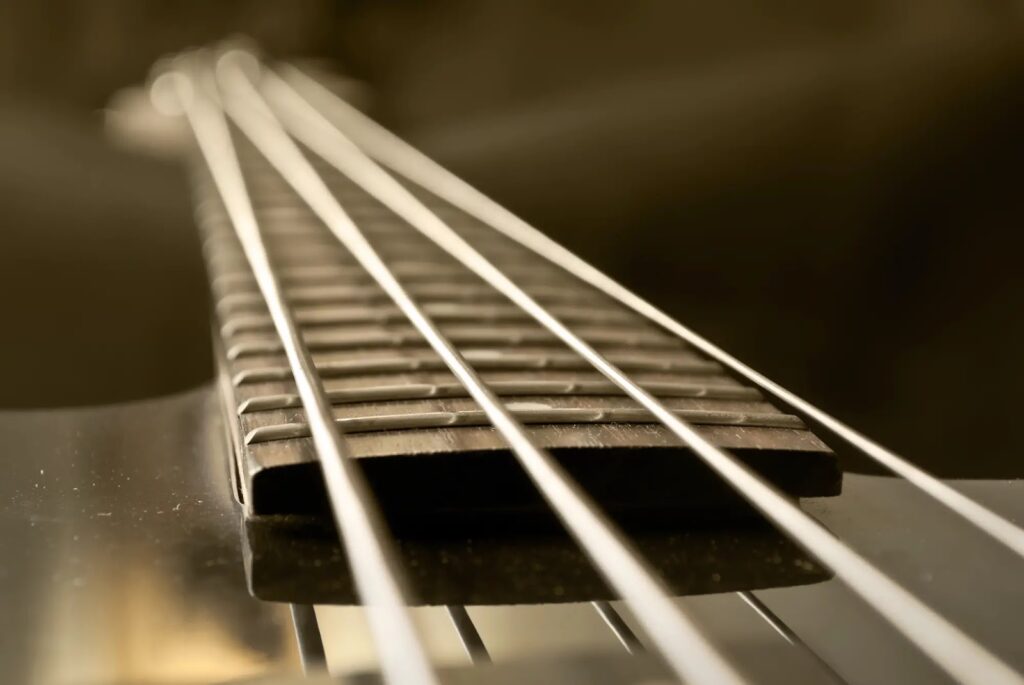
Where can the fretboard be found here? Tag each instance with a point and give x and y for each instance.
(392, 395)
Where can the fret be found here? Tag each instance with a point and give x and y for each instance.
(350, 274)
(481, 359)
(384, 422)
(319, 339)
(606, 409)
(241, 394)
(454, 449)
(450, 293)
(439, 311)
(401, 391)
(226, 255)
(299, 221)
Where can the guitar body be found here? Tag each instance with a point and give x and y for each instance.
(124, 564)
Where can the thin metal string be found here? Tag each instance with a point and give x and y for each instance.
(952, 649)
(787, 633)
(469, 636)
(395, 153)
(307, 635)
(618, 626)
(680, 641)
(631, 643)
(615, 623)
(402, 655)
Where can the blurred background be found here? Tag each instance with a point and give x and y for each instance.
(829, 190)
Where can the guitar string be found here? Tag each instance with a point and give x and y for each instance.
(680, 641)
(948, 646)
(618, 626)
(469, 636)
(402, 157)
(402, 654)
(632, 644)
(307, 636)
(788, 634)
(467, 632)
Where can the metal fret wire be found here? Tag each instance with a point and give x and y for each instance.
(402, 655)
(680, 641)
(396, 154)
(952, 649)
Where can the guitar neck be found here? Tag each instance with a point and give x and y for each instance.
(393, 396)
(396, 347)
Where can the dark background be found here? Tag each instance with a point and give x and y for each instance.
(830, 190)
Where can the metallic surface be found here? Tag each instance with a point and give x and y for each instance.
(121, 565)
(121, 553)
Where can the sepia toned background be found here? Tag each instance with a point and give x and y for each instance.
(829, 190)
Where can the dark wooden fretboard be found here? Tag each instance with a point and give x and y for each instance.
(394, 398)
